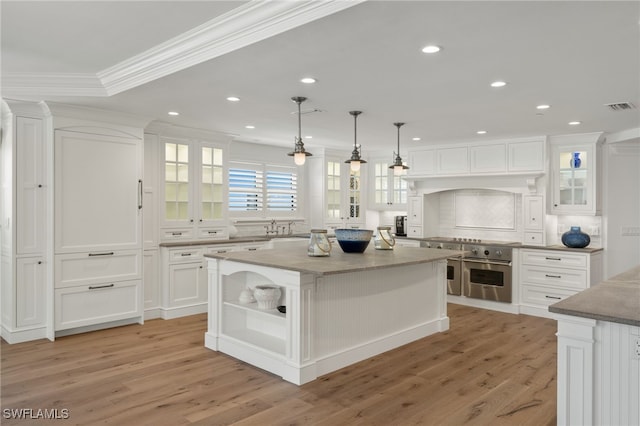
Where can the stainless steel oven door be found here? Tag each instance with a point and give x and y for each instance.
(487, 280)
(454, 276)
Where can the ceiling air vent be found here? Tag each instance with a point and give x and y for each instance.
(620, 106)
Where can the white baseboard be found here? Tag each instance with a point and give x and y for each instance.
(19, 336)
(183, 311)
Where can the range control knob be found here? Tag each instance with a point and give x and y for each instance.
(474, 251)
(498, 252)
(486, 252)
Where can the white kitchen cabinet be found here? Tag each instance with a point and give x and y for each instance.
(194, 189)
(387, 190)
(526, 156)
(151, 281)
(575, 187)
(533, 207)
(415, 217)
(25, 268)
(87, 305)
(490, 158)
(422, 162)
(548, 276)
(452, 161)
(98, 225)
(150, 191)
(518, 156)
(338, 194)
(30, 293)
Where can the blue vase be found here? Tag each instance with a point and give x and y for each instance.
(575, 238)
(575, 161)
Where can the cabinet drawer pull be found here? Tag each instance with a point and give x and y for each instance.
(212, 232)
(252, 249)
(94, 287)
(552, 276)
(110, 253)
(553, 297)
(553, 258)
(176, 233)
(185, 254)
(222, 251)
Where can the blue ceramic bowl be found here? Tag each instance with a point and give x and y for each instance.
(353, 240)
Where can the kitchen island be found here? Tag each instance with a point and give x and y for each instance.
(340, 309)
(599, 353)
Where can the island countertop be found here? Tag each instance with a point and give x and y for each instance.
(615, 300)
(295, 258)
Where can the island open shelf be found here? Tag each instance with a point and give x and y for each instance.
(339, 309)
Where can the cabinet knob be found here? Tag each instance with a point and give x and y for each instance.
(191, 220)
(39, 262)
(200, 220)
(39, 185)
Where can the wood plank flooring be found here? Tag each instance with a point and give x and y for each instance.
(490, 368)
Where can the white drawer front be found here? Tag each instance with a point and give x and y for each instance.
(86, 268)
(534, 238)
(96, 304)
(185, 255)
(543, 296)
(414, 231)
(176, 234)
(213, 233)
(555, 277)
(218, 249)
(554, 258)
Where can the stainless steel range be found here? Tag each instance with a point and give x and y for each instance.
(454, 264)
(484, 272)
(487, 272)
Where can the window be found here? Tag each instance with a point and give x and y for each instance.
(262, 190)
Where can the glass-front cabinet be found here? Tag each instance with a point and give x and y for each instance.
(575, 178)
(193, 189)
(338, 198)
(389, 191)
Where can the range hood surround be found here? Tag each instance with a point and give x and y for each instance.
(531, 183)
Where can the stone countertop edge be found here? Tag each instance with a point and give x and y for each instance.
(614, 300)
(249, 239)
(518, 245)
(295, 259)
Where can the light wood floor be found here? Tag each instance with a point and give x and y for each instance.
(490, 368)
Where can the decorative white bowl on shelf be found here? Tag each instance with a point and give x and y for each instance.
(267, 296)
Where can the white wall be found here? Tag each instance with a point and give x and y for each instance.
(621, 209)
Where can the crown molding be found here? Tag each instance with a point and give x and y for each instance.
(40, 85)
(247, 24)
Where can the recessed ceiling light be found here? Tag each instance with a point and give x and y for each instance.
(308, 137)
(233, 99)
(308, 80)
(249, 126)
(543, 106)
(431, 49)
(173, 113)
(481, 132)
(498, 84)
(416, 139)
(574, 123)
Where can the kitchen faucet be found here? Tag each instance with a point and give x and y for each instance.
(273, 229)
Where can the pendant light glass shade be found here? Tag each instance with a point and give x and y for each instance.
(355, 161)
(397, 166)
(299, 154)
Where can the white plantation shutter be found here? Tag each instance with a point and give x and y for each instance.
(259, 190)
(282, 190)
(246, 185)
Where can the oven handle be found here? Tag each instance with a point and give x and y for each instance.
(491, 262)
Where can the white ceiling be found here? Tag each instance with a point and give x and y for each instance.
(575, 56)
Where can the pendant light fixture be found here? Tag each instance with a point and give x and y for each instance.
(355, 159)
(299, 154)
(398, 167)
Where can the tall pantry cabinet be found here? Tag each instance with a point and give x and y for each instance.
(25, 267)
(98, 208)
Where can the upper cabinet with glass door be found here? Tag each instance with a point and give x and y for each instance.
(193, 190)
(343, 203)
(575, 181)
(389, 191)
